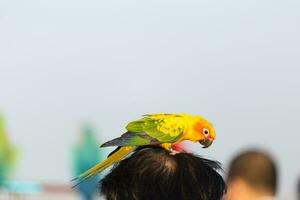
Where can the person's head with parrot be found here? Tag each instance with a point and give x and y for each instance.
(161, 129)
(155, 173)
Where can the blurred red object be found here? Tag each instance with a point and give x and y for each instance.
(57, 188)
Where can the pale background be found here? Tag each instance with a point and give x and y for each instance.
(108, 62)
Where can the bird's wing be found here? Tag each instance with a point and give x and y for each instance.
(132, 139)
(162, 127)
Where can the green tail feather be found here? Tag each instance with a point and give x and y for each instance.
(117, 156)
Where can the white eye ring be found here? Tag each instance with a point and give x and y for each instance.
(205, 131)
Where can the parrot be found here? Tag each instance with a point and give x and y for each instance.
(160, 129)
(8, 154)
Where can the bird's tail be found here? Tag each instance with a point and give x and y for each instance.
(112, 159)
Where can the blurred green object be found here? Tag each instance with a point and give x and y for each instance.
(8, 154)
(85, 155)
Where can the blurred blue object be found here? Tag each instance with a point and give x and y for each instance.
(24, 187)
(85, 155)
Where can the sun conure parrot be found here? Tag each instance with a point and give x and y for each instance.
(156, 129)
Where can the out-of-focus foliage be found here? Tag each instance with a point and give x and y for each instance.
(8, 154)
(85, 155)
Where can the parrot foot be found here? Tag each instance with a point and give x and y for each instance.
(167, 146)
(173, 149)
(173, 152)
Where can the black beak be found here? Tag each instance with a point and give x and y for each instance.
(206, 143)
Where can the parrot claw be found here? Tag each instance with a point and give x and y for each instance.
(173, 152)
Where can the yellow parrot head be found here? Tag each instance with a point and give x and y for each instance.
(207, 133)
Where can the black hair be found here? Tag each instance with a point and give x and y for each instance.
(152, 173)
(256, 168)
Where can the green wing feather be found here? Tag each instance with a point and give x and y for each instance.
(163, 127)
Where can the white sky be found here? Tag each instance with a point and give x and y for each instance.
(66, 62)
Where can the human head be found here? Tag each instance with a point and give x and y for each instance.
(153, 173)
(252, 174)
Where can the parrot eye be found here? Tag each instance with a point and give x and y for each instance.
(205, 131)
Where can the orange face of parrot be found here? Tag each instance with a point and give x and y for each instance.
(207, 133)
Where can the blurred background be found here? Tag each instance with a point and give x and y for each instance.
(66, 64)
